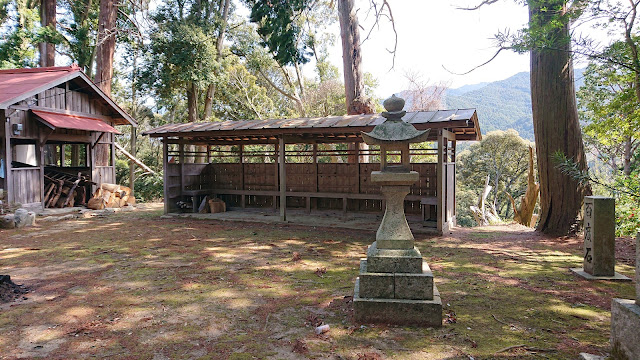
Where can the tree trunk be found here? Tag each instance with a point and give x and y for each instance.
(208, 102)
(556, 129)
(628, 154)
(47, 19)
(352, 58)
(192, 102)
(524, 215)
(106, 45)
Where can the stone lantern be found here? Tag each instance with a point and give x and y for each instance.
(395, 284)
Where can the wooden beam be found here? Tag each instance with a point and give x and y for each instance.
(97, 140)
(133, 159)
(283, 180)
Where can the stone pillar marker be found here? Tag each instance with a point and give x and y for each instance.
(395, 285)
(599, 258)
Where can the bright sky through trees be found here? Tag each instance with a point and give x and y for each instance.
(433, 34)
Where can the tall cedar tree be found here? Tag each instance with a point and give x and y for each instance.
(48, 19)
(555, 117)
(106, 46)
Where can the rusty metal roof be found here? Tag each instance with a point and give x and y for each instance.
(462, 122)
(19, 84)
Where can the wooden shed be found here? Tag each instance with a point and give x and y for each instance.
(312, 163)
(55, 119)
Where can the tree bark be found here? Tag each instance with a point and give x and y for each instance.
(352, 59)
(192, 102)
(106, 45)
(556, 129)
(47, 19)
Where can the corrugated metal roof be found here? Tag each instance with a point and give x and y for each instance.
(461, 121)
(19, 84)
(15, 82)
(66, 121)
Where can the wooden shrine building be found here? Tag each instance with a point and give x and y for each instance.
(54, 119)
(312, 163)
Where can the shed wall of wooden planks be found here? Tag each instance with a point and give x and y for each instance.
(338, 178)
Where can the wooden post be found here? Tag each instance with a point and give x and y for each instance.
(277, 177)
(62, 154)
(40, 145)
(455, 179)
(132, 165)
(283, 181)
(440, 182)
(8, 158)
(113, 156)
(181, 160)
(165, 172)
(241, 155)
(315, 169)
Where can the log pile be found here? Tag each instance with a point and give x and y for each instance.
(64, 190)
(111, 196)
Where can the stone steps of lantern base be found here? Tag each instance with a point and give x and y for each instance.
(409, 286)
(394, 260)
(426, 313)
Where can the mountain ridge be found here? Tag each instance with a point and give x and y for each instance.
(501, 105)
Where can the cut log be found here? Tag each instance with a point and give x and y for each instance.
(48, 192)
(95, 203)
(57, 193)
(71, 194)
(110, 187)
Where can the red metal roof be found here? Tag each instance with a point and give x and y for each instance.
(15, 82)
(66, 121)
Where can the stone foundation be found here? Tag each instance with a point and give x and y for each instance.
(398, 311)
(625, 327)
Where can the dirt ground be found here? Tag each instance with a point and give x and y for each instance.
(139, 286)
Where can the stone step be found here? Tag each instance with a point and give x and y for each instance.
(411, 286)
(398, 311)
(394, 261)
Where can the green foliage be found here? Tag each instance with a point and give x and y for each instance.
(279, 30)
(501, 155)
(243, 96)
(625, 189)
(18, 47)
(180, 53)
(610, 110)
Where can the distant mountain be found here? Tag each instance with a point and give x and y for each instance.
(501, 105)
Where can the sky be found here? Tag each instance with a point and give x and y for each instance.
(434, 35)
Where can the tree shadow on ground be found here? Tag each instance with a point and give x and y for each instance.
(136, 287)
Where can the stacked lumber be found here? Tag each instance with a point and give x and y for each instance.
(64, 190)
(111, 196)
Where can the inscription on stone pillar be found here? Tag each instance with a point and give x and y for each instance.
(599, 236)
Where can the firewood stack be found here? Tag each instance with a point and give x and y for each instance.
(111, 196)
(64, 190)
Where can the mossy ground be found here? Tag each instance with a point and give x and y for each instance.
(137, 286)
